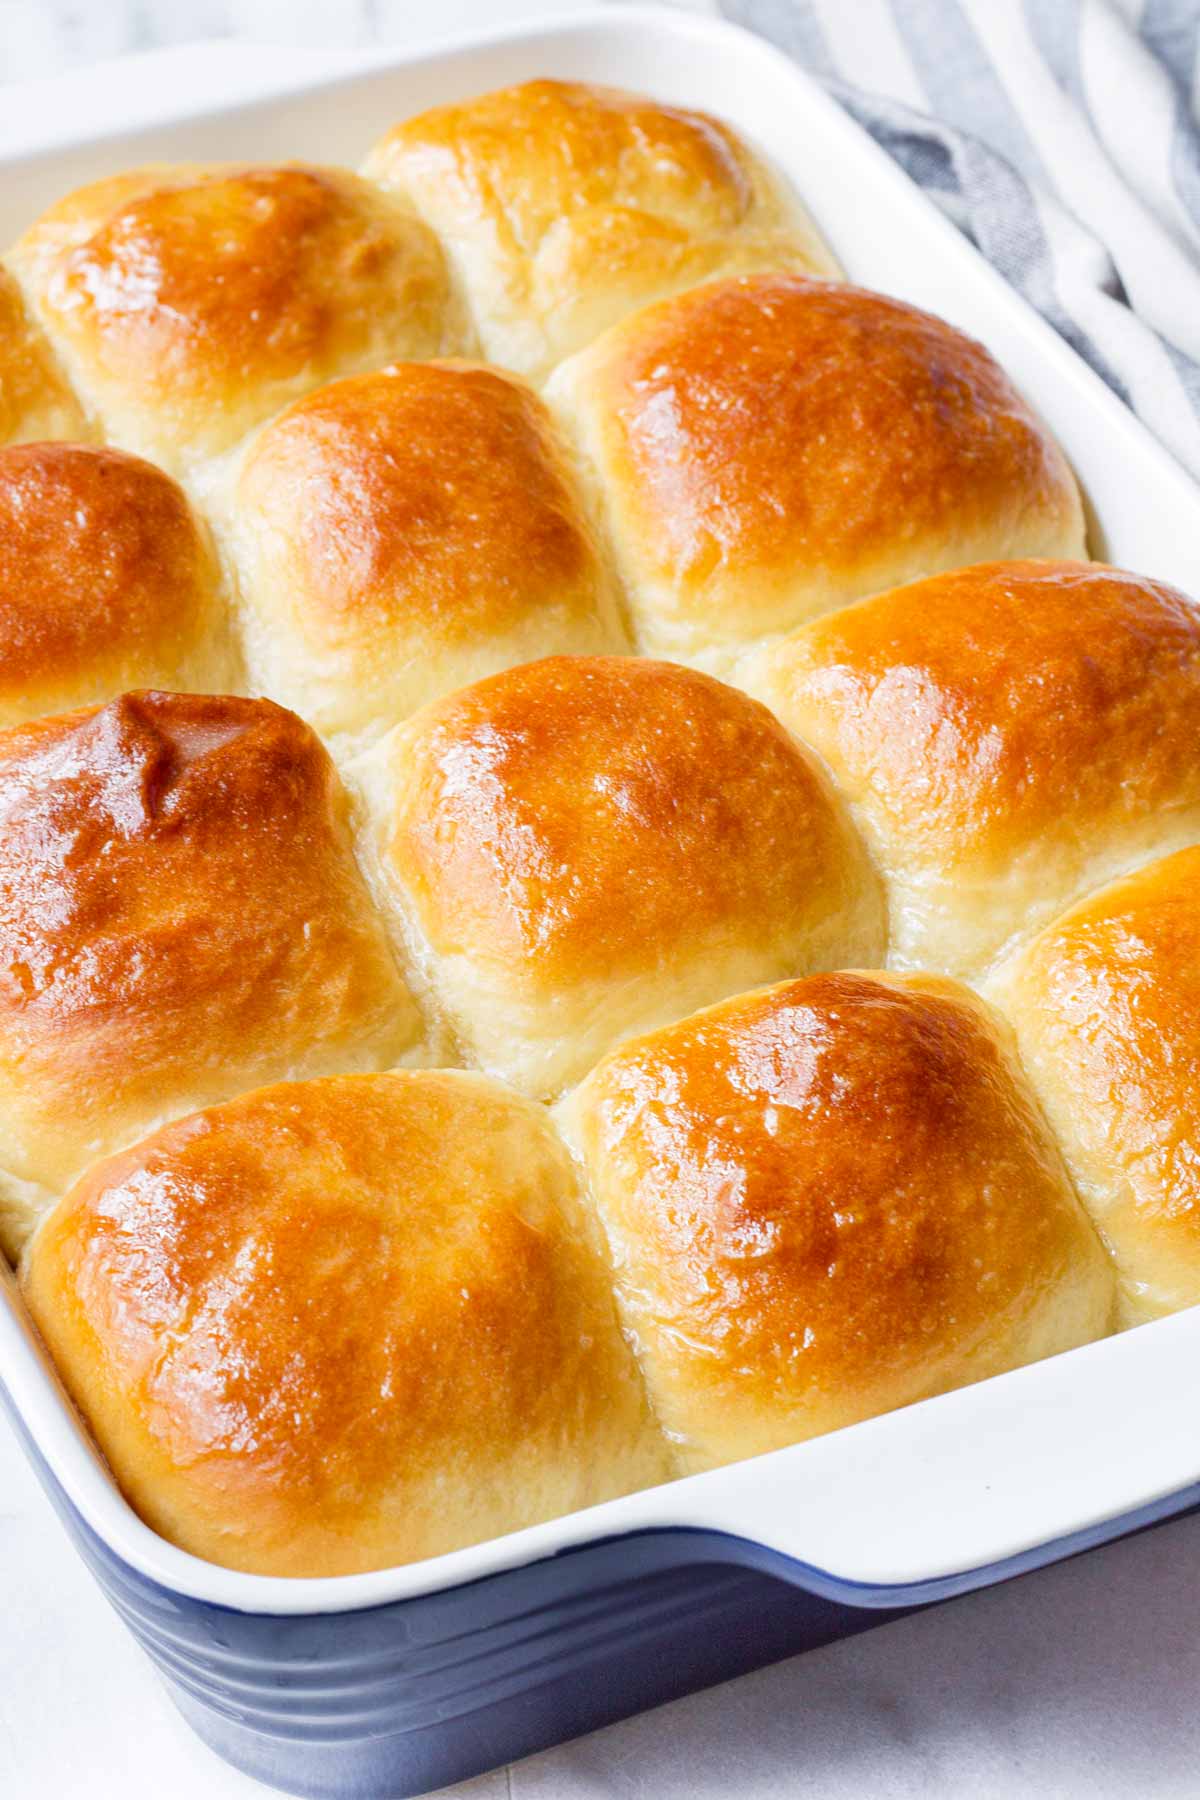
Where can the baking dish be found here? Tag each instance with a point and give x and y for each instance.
(395, 1682)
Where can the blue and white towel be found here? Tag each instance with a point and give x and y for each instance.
(1062, 136)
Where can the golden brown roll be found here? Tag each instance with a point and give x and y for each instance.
(825, 1200)
(107, 581)
(588, 846)
(181, 915)
(563, 206)
(1106, 1004)
(1007, 735)
(189, 303)
(771, 447)
(35, 401)
(340, 1324)
(400, 533)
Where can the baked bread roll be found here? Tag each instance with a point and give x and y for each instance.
(563, 206)
(589, 846)
(825, 1200)
(107, 581)
(191, 302)
(35, 401)
(400, 533)
(181, 916)
(1008, 736)
(769, 448)
(309, 1342)
(1106, 1004)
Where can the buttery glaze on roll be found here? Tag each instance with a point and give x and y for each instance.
(310, 1342)
(563, 206)
(1106, 1005)
(1008, 736)
(35, 401)
(191, 302)
(826, 1200)
(771, 447)
(107, 581)
(400, 533)
(181, 916)
(588, 846)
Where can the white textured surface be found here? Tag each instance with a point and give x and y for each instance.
(43, 37)
(1077, 1682)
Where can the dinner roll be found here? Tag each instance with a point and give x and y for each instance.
(1106, 1003)
(180, 916)
(107, 581)
(1008, 736)
(564, 205)
(400, 533)
(588, 846)
(190, 302)
(35, 401)
(335, 1325)
(773, 447)
(825, 1200)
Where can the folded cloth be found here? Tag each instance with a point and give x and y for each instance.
(1063, 137)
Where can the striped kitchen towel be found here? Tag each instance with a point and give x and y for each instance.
(1062, 136)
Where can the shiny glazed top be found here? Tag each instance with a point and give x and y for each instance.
(311, 1343)
(394, 527)
(973, 710)
(194, 300)
(566, 204)
(1106, 1001)
(774, 446)
(107, 580)
(586, 816)
(35, 401)
(826, 1199)
(180, 915)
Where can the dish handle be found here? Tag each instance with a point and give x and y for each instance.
(958, 1491)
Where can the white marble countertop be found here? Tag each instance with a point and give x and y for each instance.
(1078, 1682)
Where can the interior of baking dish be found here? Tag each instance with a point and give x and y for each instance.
(599, 871)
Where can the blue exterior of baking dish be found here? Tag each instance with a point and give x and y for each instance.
(398, 1699)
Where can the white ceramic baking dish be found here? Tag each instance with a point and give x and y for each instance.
(393, 1682)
